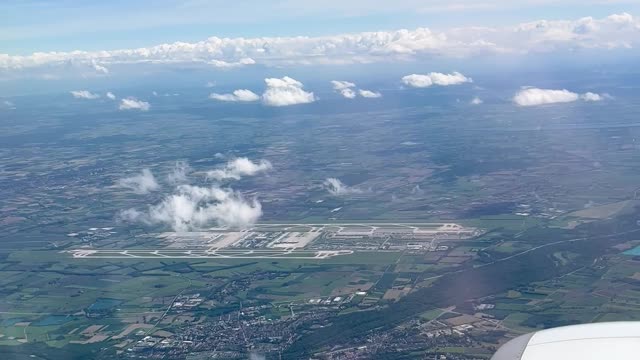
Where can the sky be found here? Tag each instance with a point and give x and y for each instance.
(28, 26)
(44, 44)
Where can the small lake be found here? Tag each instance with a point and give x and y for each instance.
(633, 252)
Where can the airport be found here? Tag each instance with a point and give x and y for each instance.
(293, 241)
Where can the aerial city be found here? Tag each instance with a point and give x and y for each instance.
(205, 180)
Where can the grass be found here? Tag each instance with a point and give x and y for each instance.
(431, 314)
(513, 223)
(514, 321)
(513, 294)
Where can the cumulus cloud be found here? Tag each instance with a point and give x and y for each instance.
(348, 90)
(233, 64)
(435, 78)
(369, 93)
(618, 31)
(345, 88)
(338, 188)
(341, 85)
(239, 167)
(348, 93)
(589, 96)
(536, 96)
(179, 173)
(237, 95)
(110, 95)
(193, 207)
(84, 94)
(133, 104)
(476, 101)
(142, 183)
(99, 68)
(285, 91)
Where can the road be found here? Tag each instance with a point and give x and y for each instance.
(170, 305)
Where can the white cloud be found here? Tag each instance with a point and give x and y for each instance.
(348, 93)
(476, 101)
(237, 95)
(155, 93)
(84, 94)
(8, 105)
(210, 84)
(435, 78)
(110, 95)
(345, 88)
(179, 173)
(338, 188)
(193, 207)
(143, 183)
(285, 91)
(131, 215)
(99, 68)
(348, 90)
(618, 31)
(341, 85)
(623, 18)
(233, 64)
(536, 96)
(239, 167)
(133, 104)
(589, 96)
(369, 93)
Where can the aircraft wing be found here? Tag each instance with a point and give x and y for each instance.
(608, 340)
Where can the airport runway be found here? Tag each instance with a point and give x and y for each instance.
(202, 253)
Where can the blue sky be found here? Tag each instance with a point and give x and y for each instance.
(64, 25)
(46, 44)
